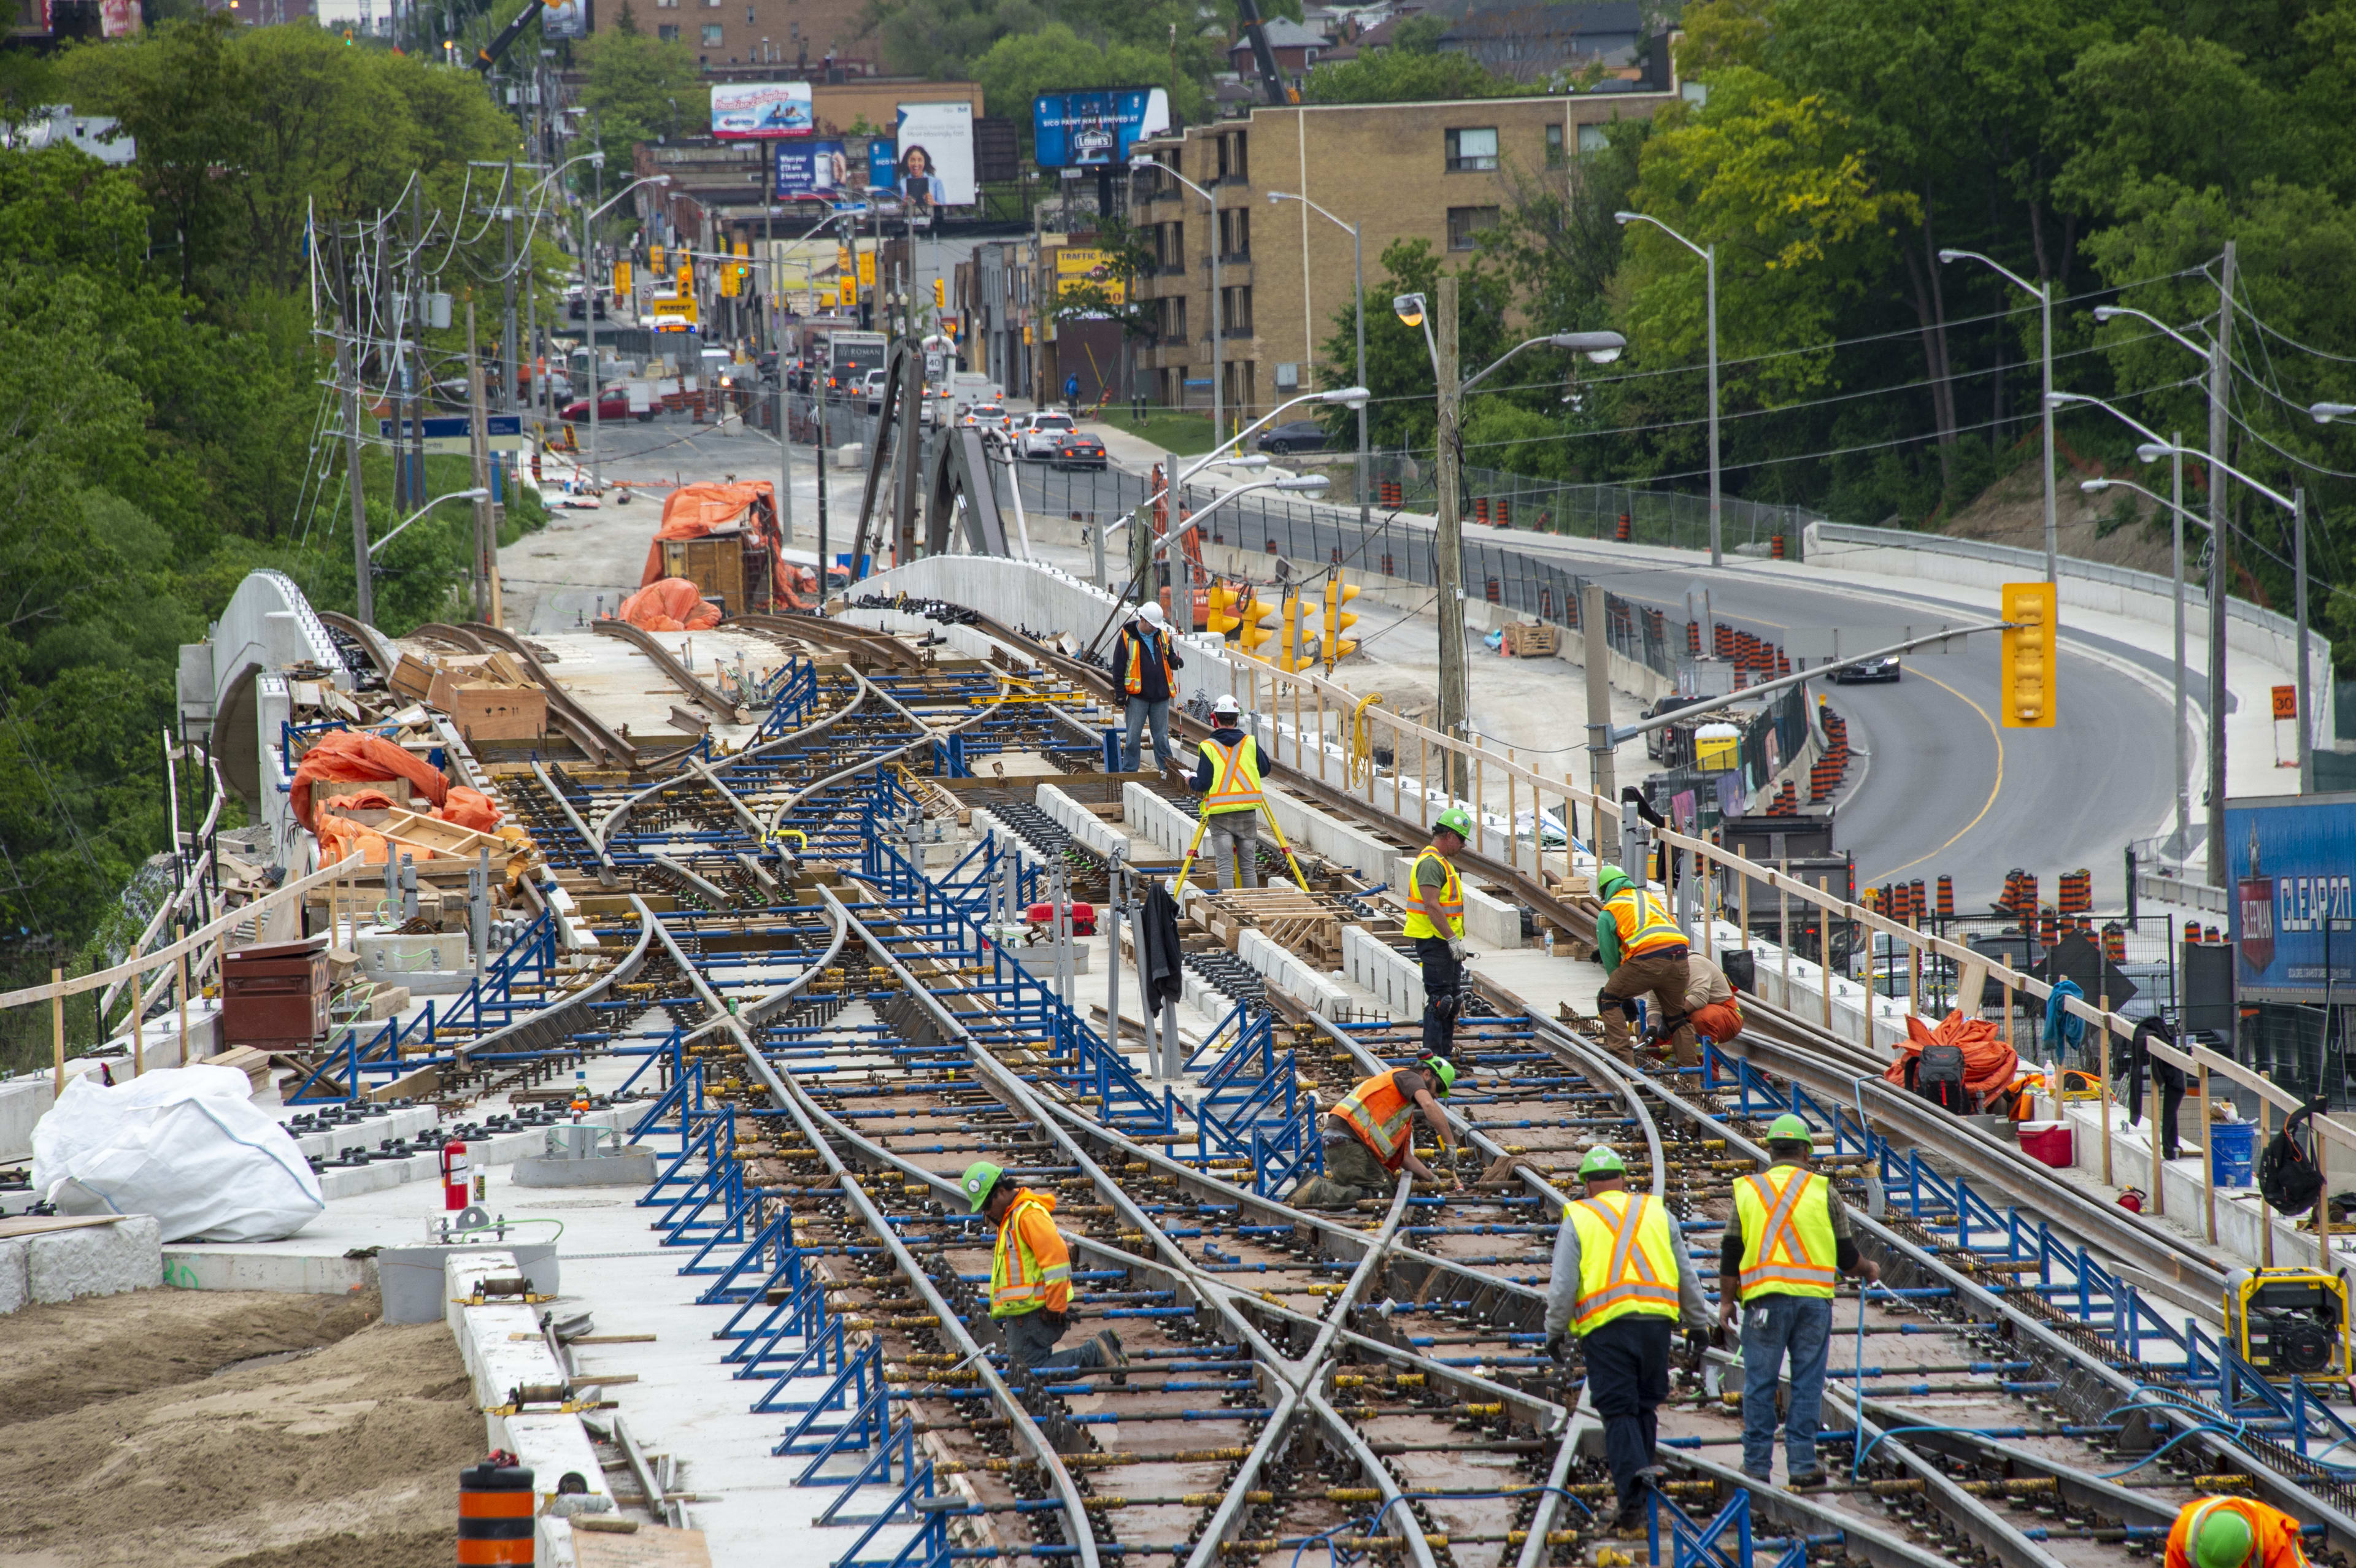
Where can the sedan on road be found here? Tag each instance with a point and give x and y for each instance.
(613, 403)
(1862, 674)
(1294, 435)
(1077, 450)
(1040, 438)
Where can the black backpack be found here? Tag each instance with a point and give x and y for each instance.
(2286, 1174)
(1939, 1077)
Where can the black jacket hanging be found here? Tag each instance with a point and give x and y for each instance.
(1165, 964)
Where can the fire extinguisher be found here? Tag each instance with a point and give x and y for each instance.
(454, 1175)
(2132, 1201)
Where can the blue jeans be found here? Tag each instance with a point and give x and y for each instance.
(1773, 1327)
(1141, 714)
(1031, 1346)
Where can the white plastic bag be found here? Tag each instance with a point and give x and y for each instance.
(186, 1145)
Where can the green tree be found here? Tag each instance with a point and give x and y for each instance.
(1398, 362)
(641, 89)
(1400, 75)
(1018, 68)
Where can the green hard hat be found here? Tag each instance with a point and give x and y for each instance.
(979, 1178)
(1456, 820)
(1603, 1160)
(2223, 1538)
(1609, 879)
(1789, 1128)
(1440, 1067)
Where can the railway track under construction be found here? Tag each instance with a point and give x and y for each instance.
(849, 1036)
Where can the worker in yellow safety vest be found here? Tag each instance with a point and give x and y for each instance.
(1435, 923)
(1788, 1241)
(1031, 1277)
(1227, 777)
(2233, 1532)
(1642, 950)
(1621, 1286)
(1148, 666)
(1370, 1137)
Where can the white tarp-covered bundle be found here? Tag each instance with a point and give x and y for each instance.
(186, 1145)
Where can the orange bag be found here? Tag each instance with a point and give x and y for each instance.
(470, 808)
(339, 837)
(669, 604)
(360, 800)
(353, 756)
(1989, 1064)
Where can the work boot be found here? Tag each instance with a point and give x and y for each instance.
(1322, 1192)
(1115, 1357)
(1805, 1479)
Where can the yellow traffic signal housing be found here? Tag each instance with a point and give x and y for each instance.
(1253, 630)
(1223, 618)
(2026, 686)
(1287, 652)
(1334, 647)
(941, 294)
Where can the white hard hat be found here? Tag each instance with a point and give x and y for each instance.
(1226, 705)
(1151, 613)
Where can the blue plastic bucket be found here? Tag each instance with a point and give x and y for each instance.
(2233, 1148)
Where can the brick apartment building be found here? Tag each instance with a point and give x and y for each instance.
(810, 36)
(1439, 171)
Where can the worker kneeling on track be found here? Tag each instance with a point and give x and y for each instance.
(2233, 1532)
(1621, 1286)
(1645, 950)
(1227, 777)
(1370, 1135)
(1031, 1277)
(1789, 1236)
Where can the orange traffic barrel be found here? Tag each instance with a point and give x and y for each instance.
(1775, 547)
(1693, 636)
(1946, 898)
(2077, 895)
(1626, 531)
(1480, 508)
(1504, 513)
(1917, 902)
(495, 1505)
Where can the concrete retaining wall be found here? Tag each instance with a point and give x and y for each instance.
(1077, 820)
(87, 1260)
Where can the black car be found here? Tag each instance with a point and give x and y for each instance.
(1860, 674)
(1077, 450)
(1296, 435)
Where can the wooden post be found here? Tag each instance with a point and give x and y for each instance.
(1743, 913)
(57, 1032)
(2158, 1155)
(1783, 922)
(1512, 820)
(1914, 972)
(1825, 965)
(2266, 1214)
(1296, 724)
(1479, 789)
(2322, 1208)
(2208, 1166)
(1321, 734)
(1422, 777)
(180, 934)
(2104, 1063)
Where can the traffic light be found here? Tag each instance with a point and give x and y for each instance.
(622, 278)
(2026, 688)
(1224, 604)
(1288, 652)
(1337, 647)
(1253, 630)
(941, 294)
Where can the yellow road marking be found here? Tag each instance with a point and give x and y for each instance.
(1994, 734)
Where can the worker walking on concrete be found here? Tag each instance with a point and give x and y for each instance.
(1435, 923)
(2233, 1532)
(1146, 665)
(1789, 1235)
(1621, 1286)
(1227, 777)
(1370, 1135)
(1031, 1277)
(1644, 950)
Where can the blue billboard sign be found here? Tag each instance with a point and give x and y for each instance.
(2291, 863)
(1095, 129)
(813, 171)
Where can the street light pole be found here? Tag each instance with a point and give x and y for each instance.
(1448, 571)
(1358, 267)
(2174, 502)
(1709, 254)
(2220, 551)
(589, 306)
(2044, 292)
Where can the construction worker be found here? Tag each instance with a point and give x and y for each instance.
(1776, 1264)
(1435, 923)
(1228, 778)
(1709, 1006)
(1643, 950)
(1031, 1277)
(1621, 1286)
(2232, 1533)
(1370, 1137)
(1146, 665)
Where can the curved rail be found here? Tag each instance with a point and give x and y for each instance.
(678, 674)
(883, 646)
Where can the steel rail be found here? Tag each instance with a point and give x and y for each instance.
(678, 674)
(598, 742)
(816, 628)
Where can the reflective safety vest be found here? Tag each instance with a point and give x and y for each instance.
(1381, 1116)
(1032, 1267)
(1787, 1233)
(1235, 776)
(1452, 898)
(1645, 923)
(1133, 676)
(2275, 1540)
(1627, 1259)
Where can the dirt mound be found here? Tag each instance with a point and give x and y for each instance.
(2117, 528)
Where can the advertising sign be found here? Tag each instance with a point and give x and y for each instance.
(118, 18)
(930, 163)
(564, 19)
(2292, 860)
(814, 170)
(1078, 267)
(452, 436)
(761, 109)
(1095, 130)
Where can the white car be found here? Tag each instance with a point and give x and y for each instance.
(988, 418)
(870, 388)
(1038, 439)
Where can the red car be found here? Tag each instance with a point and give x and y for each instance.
(1077, 450)
(613, 404)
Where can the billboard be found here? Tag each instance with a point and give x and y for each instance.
(815, 170)
(564, 19)
(1095, 129)
(1079, 267)
(930, 164)
(761, 109)
(2291, 861)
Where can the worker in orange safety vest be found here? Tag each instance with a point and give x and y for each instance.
(1031, 1277)
(2233, 1532)
(1370, 1137)
(1146, 665)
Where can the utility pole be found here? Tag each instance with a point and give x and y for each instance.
(419, 487)
(1449, 569)
(2220, 533)
(486, 541)
(2306, 731)
(508, 361)
(347, 373)
(1592, 633)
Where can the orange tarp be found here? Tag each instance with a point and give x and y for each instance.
(470, 808)
(692, 511)
(669, 604)
(351, 756)
(1989, 1064)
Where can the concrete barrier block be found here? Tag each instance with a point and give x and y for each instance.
(1077, 820)
(95, 1260)
(1147, 813)
(1379, 967)
(15, 1276)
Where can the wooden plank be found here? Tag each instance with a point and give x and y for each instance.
(41, 1224)
(647, 1546)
